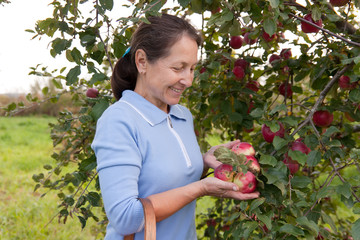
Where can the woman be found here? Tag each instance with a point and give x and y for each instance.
(145, 143)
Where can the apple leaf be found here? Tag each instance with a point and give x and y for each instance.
(270, 26)
(327, 219)
(279, 142)
(292, 230)
(344, 189)
(298, 156)
(268, 160)
(331, 130)
(300, 181)
(313, 158)
(356, 208)
(274, 3)
(107, 4)
(72, 76)
(355, 230)
(309, 224)
(184, 3)
(354, 95)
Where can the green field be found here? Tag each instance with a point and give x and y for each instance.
(25, 146)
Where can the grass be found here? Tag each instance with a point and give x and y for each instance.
(25, 146)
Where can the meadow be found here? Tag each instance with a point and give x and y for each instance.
(25, 147)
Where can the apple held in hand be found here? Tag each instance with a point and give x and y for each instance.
(243, 148)
(323, 118)
(92, 93)
(269, 135)
(254, 166)
(308, 28)
(246, 182)
(224, 172)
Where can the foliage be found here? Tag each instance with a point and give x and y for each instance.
(306, 205)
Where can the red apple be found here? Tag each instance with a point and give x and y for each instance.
(286, 53)
(224, 172)
(243, 148)
(291, 164)
(211, 222)
(269, 135)
(246, 182)
(323, 118)
(267, 37)
(236, 42)
(254, 164)
(344, 83)
(274, 57)
(285, 88)
(307, 28)
(253, 85)
(300, 146)
(202, 70)
(216, 10)
(238, 72)
(249, 40)
(241, 63)
(92, 93)
(339, 3)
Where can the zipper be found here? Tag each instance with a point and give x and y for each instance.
(182, 146)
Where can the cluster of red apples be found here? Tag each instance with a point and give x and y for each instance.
(232, 170)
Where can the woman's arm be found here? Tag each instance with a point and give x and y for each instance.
(167, 203)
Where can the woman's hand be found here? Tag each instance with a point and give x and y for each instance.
(215, 187)
(209, 158)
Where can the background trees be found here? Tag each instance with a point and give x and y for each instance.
(265, 65)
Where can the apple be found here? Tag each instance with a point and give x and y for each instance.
(248, 40)
(92, 93)
(245, 181)
(253, 85)
(211, 222)
(236, 42)
(267, 37)
(285, 89)
(241, 63)
(243, 148)
(286, 53)
(268, 135)
(250, 107)
(202, 70)
(339, 3)
(216, 10)
(307, 28)
(291, 164)
(298, 145)
(238, 72)
(344, 83)
(254, 164)
(224, 172)
(323, 118)
(274, 57)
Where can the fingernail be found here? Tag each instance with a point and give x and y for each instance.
(235, 188)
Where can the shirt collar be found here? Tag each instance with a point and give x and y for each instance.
(152, 114)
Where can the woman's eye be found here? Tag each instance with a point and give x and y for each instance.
(177, 68)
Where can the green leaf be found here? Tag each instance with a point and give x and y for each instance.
(98, 109)
(82, 221)
(344, 189)
(354, 95)
(279, 142)
(274, 3)
(256, 203)
(298, 156)
(356, 208)
(292, 230)
(72, 76)
(327, 219)
(325, 192)
(268, 159)
(278, 108)
(300, 181)
(107, 4)
(94, 199)
(306, 223)
(355, 230)
(313, 158)
(257, 113)
(184, 3)
(331, 130)
(270, 26)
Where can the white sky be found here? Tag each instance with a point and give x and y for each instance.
(18, 52)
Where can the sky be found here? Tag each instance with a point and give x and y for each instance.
(18, 52)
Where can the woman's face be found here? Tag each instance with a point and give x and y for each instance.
(164, 80)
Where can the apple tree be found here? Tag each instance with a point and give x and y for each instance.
(281, 75)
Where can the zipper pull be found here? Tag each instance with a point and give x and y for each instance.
(170, 122)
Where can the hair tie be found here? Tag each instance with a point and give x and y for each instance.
(127, 51)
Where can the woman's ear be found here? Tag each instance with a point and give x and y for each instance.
(141, 61)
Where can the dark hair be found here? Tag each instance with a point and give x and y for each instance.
(155, 39)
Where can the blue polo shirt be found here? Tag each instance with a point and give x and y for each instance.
(140, 151)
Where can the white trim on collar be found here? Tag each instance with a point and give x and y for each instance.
(138, 111)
